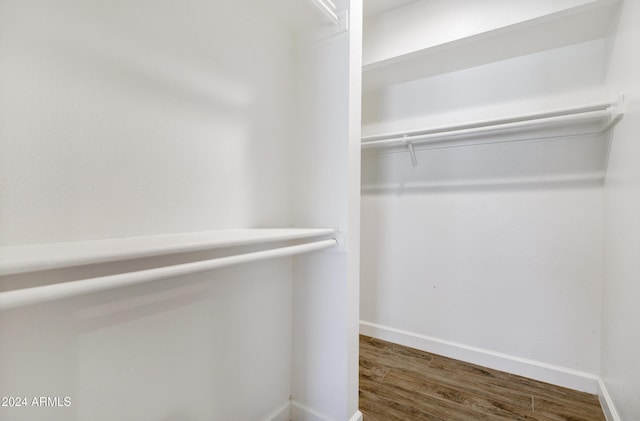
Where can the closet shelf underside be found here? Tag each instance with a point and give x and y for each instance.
(38, 257)
(587, 22)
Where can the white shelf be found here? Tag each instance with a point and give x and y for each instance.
(571, 26)
(36, 257)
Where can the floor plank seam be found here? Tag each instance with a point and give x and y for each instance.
(398, 383)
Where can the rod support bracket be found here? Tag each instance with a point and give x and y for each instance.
(412, 152)
(616, 113)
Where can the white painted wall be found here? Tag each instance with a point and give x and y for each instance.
(483, 247)
(135, 119)
(491, 250)
(205, 347)
(327, 193)
(621, 293)
(140, 119)
(538, 82)
(423, 24)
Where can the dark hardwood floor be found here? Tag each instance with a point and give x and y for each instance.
(403, 384)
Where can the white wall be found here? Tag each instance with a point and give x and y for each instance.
(136, 118)
(492, 253)
(157, 117)
(558, 78)
(621, 299)
(205, 347)
(327, 193)
(479, 248)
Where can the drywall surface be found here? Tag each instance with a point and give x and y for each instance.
(424, 24)
(488, 254)
(135, 118)
(211, 346)
(621, 296)
(327, 193)
(140, 118)
(559, 78)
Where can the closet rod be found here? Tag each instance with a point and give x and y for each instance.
(27, 296)
(327, 8)
(592, 112)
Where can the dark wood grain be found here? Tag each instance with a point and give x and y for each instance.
(398, 383)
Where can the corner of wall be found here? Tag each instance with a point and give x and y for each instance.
(281, 414)
(606, 402)
(549, 373)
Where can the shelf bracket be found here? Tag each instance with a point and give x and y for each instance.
(617, 113)
(412, 151)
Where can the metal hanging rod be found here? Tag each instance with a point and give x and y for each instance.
(27, 296)
(607, 114)
(48, 256)
(536, 118)
(453, 131)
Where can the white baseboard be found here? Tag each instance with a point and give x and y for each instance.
(549, 373)
(300, 412)
(357, 416)
(606, 402)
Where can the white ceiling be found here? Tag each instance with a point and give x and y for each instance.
(373, 7)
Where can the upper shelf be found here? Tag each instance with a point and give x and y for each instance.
(583, 23)
(36, 257)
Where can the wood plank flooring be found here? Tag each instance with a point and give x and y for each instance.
(403, 384)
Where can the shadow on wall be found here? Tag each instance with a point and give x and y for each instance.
(554, 163)
(563, 72)
(119, 106)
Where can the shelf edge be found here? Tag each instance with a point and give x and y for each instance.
(48, 256)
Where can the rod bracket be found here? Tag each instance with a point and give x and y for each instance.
(412, 152)
(616, 113)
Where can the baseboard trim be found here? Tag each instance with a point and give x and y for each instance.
(357, 416)
(549, 373)
(606, 402)
(300, 412)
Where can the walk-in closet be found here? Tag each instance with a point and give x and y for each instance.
(235, 210)
(500, 196)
